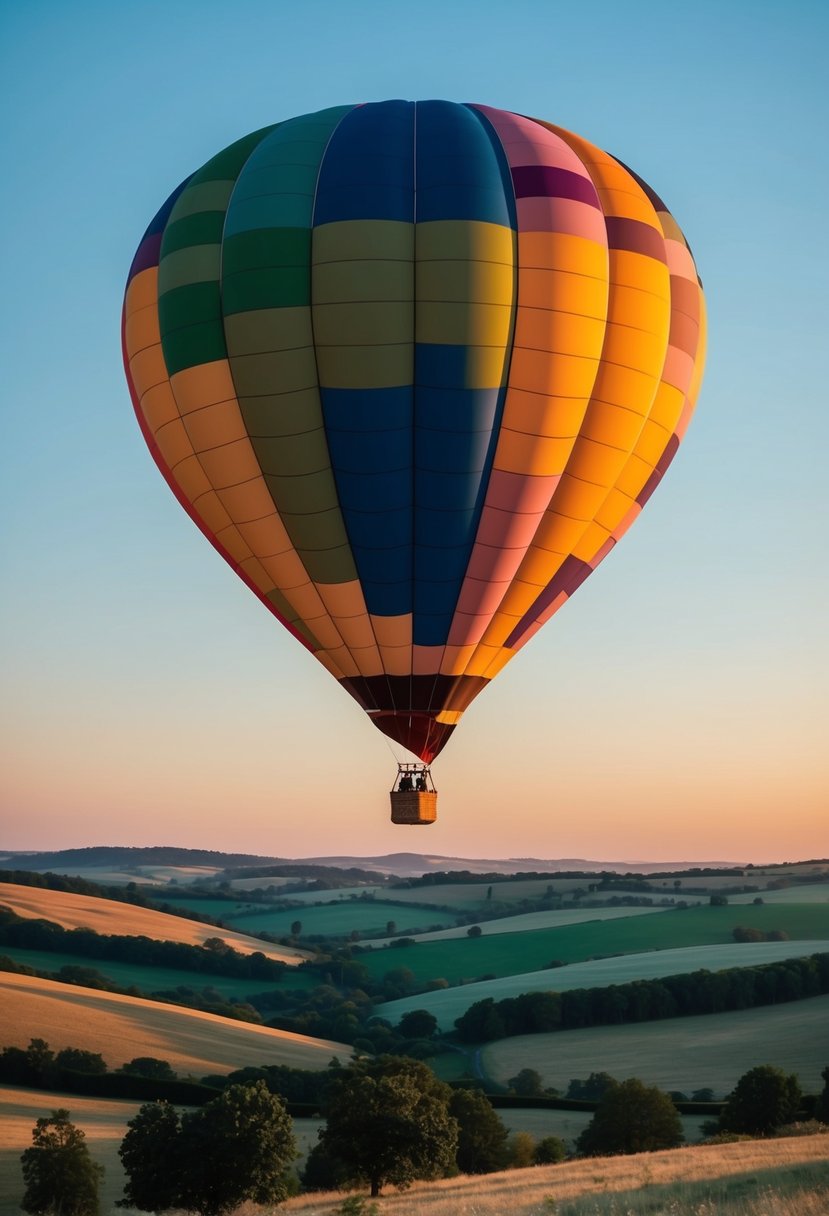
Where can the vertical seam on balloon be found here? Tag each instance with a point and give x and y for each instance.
(366, 679)
(506, 177)
(155, 451)
(325, 650)
(497, 609)
(566, 137)
(197, 455)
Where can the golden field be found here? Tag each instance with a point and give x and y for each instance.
(123, 1027)
(752, 1178)
(128, 920)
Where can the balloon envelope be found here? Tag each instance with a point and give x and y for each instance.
(413, 369)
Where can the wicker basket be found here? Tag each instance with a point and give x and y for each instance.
(414, 806)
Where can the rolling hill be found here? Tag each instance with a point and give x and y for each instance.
(123, 1027)
(129, 920)
(447, 1004)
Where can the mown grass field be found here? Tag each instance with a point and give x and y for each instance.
(449, 1003)
(713, 1050)
(123, 1027)
(108, 916)
(804, 893)
(524, 922)
(156, 979)
(510, 954)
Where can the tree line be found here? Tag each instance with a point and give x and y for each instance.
(215, 957)
(388, 1122)
(694, 992)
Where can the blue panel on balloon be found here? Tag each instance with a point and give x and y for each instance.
(367, 172)
(460, 175)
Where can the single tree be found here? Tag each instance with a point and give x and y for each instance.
(149, 1066)
(391, 928)
(591, 1090)
(61, 1178)
(549, 1151)
(418, 1024)
(763, 1099)
(77, 1060)
(149, 1153)
(527, 1083)
(474, 931)
(482, 1137)
(631, 1118)
(388, 1123)
(521, 1148)
(237, 1147)
(296, 928)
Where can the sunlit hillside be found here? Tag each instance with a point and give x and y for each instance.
(122, 1027)
(758, 1178)
(129, 920)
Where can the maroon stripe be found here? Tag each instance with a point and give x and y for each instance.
(545, 181)
(410, 694)
(149, 252)
(659, 472)
(568, 578)
(636, 237)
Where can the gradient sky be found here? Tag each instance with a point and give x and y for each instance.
(675, 709)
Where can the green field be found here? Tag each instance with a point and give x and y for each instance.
(337, 919)
(449, 1003)
(157, 979)
(524, 922)
(678, 1053)
(516, 953)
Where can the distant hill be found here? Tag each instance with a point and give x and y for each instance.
(109, 856)
(400, 865)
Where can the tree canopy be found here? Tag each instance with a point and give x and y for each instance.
(763, 1099)
(631, 1118)
(482, 1137)
(388, 1123)
(237, 1147)
(59, 1174)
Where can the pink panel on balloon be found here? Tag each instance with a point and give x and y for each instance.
(561, 215)
(520, 493)
(527, 143)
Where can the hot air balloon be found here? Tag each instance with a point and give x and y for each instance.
(414, 368)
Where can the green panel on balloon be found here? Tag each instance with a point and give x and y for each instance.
(266, 247)
(191, 305)
(196, 344)
(271, 287)
(226, 164)
(201, 228)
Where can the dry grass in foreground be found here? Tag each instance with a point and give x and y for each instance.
(128, 920)
(753, 1178)
(123, 1027)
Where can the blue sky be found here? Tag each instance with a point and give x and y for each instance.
(149, 697)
